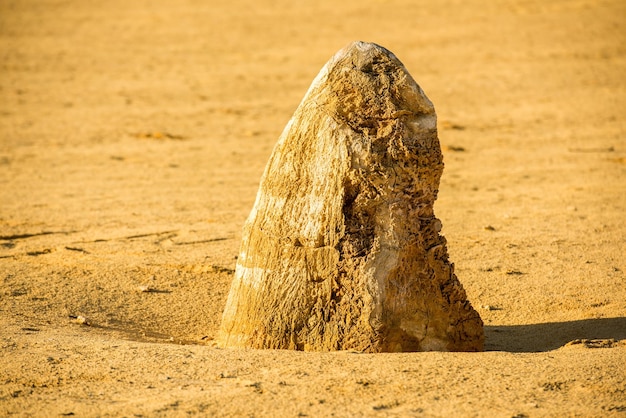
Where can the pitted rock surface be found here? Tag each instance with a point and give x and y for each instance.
(342, 248)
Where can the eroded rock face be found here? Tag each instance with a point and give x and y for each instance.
(342, 248)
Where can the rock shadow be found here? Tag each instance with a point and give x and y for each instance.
(549, 336)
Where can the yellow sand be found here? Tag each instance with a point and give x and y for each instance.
(132, 139)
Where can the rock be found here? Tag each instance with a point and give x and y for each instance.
(342, 249)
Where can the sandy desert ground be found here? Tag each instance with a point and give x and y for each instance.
(133, 135)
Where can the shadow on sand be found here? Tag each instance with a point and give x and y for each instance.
(552, 335)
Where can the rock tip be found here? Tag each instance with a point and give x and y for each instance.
(364, 46)
(362, 52)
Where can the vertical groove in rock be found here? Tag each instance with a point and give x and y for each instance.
(342, 248)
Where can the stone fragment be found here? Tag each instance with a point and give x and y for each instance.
(342, 250)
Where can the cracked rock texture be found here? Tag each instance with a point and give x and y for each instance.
(342, 248)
